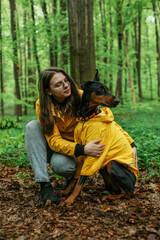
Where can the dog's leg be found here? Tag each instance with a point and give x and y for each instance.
(118, 180)
(70, 186)
(111, 185)
(76, 192)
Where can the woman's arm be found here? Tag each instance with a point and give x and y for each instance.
(60, 145)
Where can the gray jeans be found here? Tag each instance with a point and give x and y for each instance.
(36, 147)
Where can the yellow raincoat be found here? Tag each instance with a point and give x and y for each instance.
(117, 144)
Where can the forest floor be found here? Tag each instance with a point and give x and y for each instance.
(93, 216)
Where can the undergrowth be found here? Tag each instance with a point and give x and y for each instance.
(10, 122)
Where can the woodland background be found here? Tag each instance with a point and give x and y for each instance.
(120, 38)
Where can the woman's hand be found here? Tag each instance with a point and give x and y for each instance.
(94, 149)
(135, 156)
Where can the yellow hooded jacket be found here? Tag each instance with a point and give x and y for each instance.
(117, 144)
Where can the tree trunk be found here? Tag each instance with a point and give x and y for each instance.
(20, 73)
(136, 51)
(73, 38)
(119, 73)
(18, 107)
(55, 48)
(111, 52)
(91, 44)
(148, 67)
(25, 63)
(139, 56)
(64, 58)
(49, 32)
(1, 66)
(126, 54)
(31, 71)
(158, 49)
(81, 32)
(34, 38)
(104, 32)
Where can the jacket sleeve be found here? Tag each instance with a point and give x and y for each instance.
(130, 140)
(59, 144)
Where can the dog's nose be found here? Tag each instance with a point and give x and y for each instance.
(116, 101)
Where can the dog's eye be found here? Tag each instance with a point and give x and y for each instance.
(102, 89)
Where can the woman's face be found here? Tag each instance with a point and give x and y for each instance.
(60, 87)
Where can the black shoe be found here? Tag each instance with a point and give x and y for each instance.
(47, 193)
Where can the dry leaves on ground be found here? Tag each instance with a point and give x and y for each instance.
(92, 216)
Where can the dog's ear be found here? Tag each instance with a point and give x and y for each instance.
(85, 85)
(96, 78)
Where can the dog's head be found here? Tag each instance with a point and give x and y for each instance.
(99, 93)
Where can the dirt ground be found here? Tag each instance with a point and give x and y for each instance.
(93, 216)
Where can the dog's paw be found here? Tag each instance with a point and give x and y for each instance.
(66, 203)
(69, 188)
(112, 197)
(65, 192)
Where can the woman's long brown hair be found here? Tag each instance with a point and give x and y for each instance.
(70, 105)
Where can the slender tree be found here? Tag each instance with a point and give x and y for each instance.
(1, 65)
(34, 38)
(73, 38)
(157, 48)
(25, 61)
(20, 60)
(31, 73)
(103, 12)
(91, 42)
(111, 51)
(139, 53)
(148, 65)
(136, 49)
(126, 54)
(49, 32)
(55, 30)
(64, 57)
(18, 107)
(119, 72)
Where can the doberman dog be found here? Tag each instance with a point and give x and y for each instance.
(95, 94)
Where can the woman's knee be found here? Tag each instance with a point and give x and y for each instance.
(33, 134)
(32, 126)
(63, 165)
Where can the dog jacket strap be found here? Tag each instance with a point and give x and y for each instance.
(89, 115)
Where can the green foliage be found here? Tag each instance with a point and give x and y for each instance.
(148, 150)
(12, 147)
(10, 123)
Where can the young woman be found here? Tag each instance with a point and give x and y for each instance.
(51, 138)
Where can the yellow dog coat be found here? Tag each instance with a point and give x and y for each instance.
(117, 144)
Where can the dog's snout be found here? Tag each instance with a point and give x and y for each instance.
(116, 101)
